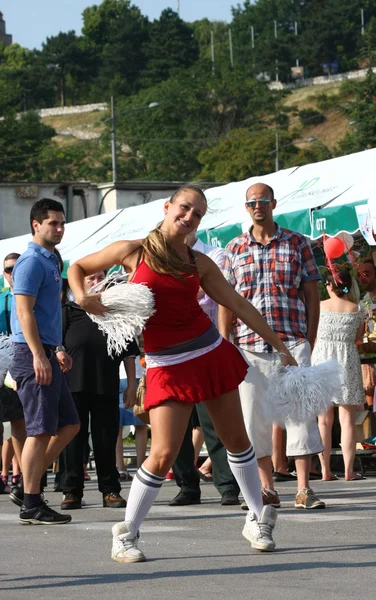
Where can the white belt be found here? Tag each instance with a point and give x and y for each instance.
(153, 361)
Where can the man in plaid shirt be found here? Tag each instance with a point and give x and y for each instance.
(275, 270)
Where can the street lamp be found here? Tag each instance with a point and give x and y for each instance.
(113, 130)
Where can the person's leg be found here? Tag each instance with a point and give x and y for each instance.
(347, 414)
(16, 471)
(169, 424)
(104, 425)
(72, 473)
(325, 423)
(226, 415)
(223, 477)
(279, 458)
(197, 441)
(227, 418)
(7, 454)
(33, 463)
(18, 438)
(186, 475)
(206, 468)
(254, 406)
(141, 436)
(119, 451)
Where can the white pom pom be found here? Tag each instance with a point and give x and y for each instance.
(129, 307)
(6, 356)
(296, 394)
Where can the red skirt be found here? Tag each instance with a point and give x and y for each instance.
(209, 376)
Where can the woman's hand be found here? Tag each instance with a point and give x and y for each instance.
(287, 359)
(92, 304)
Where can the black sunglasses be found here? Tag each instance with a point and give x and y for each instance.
(8, 270)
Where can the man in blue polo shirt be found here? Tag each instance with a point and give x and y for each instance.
(40, 360)
(10, 406)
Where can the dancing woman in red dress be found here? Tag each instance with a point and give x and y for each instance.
(187, 362)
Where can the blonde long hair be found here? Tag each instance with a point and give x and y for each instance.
(159, 255)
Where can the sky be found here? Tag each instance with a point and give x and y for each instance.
(32, 21)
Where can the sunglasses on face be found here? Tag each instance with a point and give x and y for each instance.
(8, 270)
(252, 202)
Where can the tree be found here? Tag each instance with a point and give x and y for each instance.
(194, 112)
(361, 113)
(64, 58)
(21, 142)
(116, 32)
(171, 47)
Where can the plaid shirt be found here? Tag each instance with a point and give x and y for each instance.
(271, 278)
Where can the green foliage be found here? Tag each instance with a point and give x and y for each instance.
(245, 153)
(309, 116)
(194, 112)
(361, 113)
(21, 142)
(170, 49)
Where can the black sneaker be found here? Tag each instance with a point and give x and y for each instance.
(17, 495)
(42, 515)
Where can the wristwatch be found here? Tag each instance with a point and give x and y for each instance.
(59, 349)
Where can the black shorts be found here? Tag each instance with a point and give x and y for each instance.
(10, 405)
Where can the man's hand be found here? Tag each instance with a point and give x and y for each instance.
(42, 369)
(129, 398)
(65, 361)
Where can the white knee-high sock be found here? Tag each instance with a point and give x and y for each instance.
(144, 490)
(245, 470)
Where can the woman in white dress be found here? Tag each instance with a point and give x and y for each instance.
(341, 325)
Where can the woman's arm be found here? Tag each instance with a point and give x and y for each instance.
(114, 254)
(216, 286)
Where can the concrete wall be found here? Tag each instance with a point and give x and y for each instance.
(16, 200)
(322, 80)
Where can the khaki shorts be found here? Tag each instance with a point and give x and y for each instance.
(303, 438)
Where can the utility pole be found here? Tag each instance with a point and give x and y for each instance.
(178, 7)
(276, 150)
(296, 34)
(276, 57)
(113, 141)
(253, 47)
(362, 20)
(212, 52)
(230, 44)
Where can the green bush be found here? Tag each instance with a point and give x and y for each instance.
(309, 116)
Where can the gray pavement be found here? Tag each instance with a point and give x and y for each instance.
(197, 551)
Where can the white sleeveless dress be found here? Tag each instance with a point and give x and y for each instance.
(336, 339)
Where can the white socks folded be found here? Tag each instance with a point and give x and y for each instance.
(245, 470)
(144, 490)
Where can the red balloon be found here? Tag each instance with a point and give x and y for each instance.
(334, 247)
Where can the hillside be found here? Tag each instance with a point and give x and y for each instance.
(88, 126)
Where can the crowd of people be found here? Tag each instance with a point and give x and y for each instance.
(224, 320)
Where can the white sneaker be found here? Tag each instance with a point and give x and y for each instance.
(124, 544)
(259, 532)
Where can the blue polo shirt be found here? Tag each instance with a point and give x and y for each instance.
(37, 274)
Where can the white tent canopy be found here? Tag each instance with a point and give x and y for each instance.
(310, 199)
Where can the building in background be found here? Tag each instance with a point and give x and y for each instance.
(5, 37)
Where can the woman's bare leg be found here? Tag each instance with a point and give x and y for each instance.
(141, 436)
(227, 417)
(197, 441)
(325, 422)
(347, 414)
